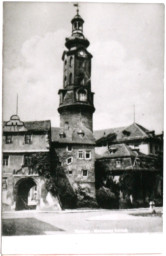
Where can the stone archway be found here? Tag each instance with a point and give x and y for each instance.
(22, 189)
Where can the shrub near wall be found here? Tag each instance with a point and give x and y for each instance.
(106, 198)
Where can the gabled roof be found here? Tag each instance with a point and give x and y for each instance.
(105, 132)
(122, 134)
(117, 150)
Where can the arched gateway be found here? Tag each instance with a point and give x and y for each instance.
(26, 194)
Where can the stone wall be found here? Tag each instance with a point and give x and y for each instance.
(74, 170)
(75, 117)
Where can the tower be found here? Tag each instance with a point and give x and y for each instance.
(76, 99)
(75, 145)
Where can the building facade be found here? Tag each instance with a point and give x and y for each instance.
(24, 144)
(87, 159)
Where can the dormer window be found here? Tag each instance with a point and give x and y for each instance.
(28, 139)
(112, 150)
(8, 139)
(126, 133)
(80, 133)
(62, 135)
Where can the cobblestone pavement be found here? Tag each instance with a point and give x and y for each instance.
(81, 221)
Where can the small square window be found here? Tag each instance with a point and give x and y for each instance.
(80, 154)
(8, 139)
(5, 160)
(69, 148)
(84, 173)
(88, 155)
(69, 160)
(70, 172)
(27, 139)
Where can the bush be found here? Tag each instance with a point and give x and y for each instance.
(106, 198)
(89, 203)
(125, 203)
(85, 197)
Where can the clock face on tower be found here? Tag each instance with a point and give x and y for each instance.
(82, 54)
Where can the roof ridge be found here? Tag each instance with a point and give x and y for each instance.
(140, 128)
(104, 129)
(126, 147)
(36, 121)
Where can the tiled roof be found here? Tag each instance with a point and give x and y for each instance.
(101, 133)
(38, 125)
(131, 132)
(73, 135)
(26, 126)
(117, 150)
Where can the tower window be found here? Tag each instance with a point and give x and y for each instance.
(65, 80)
(80, 154)
(5, 160)
(79, 25)
(69, 148)
(66, 125)
(85, 173)
(28, 139)
(70, 172)
(70, 78)
(69, 160)
(82, 95)
(27, 160)
(118, 164)
(71, 61)
(8, 139)
(88, 155)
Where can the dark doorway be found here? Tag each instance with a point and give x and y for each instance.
(23, 188)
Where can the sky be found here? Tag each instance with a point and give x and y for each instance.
(127, 44)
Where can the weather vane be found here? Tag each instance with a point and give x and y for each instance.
(77, 10)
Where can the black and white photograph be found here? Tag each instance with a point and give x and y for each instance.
(83, 119)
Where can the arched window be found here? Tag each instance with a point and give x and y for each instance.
(65, 80)
(82, 95)
(71, 61)
(67, 125)
(70, 78)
